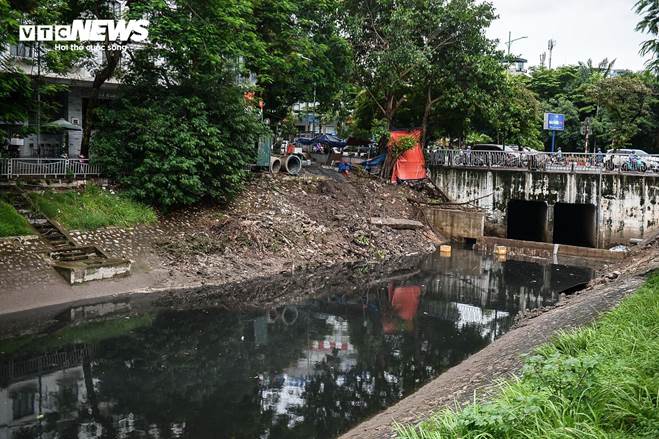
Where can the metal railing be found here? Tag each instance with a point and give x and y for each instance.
(544, 161)
(47, 167)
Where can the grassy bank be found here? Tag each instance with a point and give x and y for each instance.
(92, 208)
(598, 382)
(12, 223)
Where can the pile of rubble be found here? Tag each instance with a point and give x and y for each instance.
(281, 223)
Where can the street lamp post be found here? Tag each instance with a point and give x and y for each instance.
(511, 41)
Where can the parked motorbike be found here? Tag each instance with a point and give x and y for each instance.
(634, 164)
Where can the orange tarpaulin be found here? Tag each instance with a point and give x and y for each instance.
(405, 305)
(405, 300)
(411, 165)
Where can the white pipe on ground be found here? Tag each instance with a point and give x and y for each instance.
(275, 165)
(292, 165)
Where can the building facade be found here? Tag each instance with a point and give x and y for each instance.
(69, 104)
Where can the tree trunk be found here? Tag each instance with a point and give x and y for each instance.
(390, 111)
(426, 115)
(113, 57)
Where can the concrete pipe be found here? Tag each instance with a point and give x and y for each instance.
(275, 165)
(292, 165)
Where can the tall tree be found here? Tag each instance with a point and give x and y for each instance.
(626, 104)
(458, 58)
(649, 11)
(387, 50)
(516, 115)
(304, 55)
(182, 129)
(105, 68)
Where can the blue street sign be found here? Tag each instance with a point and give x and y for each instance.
(554, 121)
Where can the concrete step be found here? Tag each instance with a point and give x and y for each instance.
(71, 258)
(76, 272)
(75, 264)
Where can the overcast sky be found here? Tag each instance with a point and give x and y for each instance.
(582, 29)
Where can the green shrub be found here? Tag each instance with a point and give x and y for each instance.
(402, 145)
(171, 150)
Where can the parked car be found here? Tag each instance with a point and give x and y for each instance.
(358, 151)
(616, 158)
(494, 147)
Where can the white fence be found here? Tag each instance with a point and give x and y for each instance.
(543, 161)
(46, 167)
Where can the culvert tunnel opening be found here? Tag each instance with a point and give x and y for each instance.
(575, 224)
(527, 220)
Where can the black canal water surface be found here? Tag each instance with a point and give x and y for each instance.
(310, 370)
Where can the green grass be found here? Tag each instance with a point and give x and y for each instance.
(598, 382)
(92, 208)
(13, 223)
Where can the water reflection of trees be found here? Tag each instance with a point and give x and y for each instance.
(197, 369)
(388, 367)
(323, 368)
(205, 373)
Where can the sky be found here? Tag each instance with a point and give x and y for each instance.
(582, 29)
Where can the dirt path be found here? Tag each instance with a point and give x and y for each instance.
(477, 374)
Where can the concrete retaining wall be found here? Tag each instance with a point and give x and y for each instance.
(456, 224)
(626, 204)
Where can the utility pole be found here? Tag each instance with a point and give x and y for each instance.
(585, 130)
(39, 99)
(511, 41)
(550, 45)
(543, 58)
(313, 123)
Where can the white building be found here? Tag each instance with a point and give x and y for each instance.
(307, 120)
(71, 103)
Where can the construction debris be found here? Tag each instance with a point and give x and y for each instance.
(397, 223)
(280, 222)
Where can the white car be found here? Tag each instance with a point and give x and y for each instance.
(615, 158)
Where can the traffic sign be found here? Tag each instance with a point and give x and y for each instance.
(554, 122)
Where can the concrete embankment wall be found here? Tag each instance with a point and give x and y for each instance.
(625, 204)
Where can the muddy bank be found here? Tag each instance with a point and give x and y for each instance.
(477, 375)
(290, 287)
(278, 225)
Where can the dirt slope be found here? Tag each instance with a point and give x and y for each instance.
(279, 223)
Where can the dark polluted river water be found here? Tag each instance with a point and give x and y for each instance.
(310, 370)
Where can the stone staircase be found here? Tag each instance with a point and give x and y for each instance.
(77, 264)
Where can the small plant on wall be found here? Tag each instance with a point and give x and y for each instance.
(402, 145)
(398, 148)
